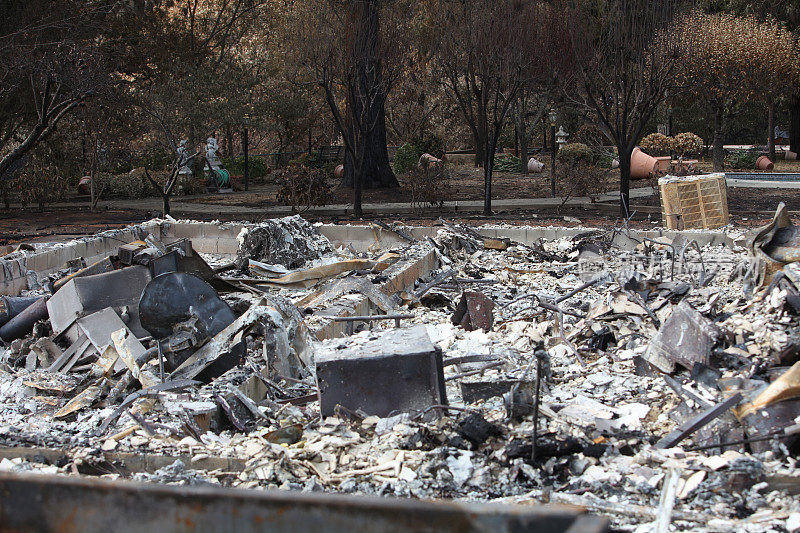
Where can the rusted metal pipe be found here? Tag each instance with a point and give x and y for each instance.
(22, 324)
(11, 306)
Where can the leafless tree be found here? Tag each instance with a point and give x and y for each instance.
(627, 61)
(166, 190)
(49, 66)
(488, 53)
(351, 50)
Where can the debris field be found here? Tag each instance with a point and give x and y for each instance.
(651, 380)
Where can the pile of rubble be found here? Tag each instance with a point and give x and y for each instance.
(654, 381)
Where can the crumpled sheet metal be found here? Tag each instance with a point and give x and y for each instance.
(773, 246)
(226, 341)
(175, 297)
(685, 338)
(288, 241)
(474, 311)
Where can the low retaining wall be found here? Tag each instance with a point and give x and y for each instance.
(18, 271)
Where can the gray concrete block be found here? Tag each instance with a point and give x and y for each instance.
(83, 296)
(393, 371)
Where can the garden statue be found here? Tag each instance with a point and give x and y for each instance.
(184, 159)
(212, 147)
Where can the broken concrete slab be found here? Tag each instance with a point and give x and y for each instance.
(397, 371)
(120, 289)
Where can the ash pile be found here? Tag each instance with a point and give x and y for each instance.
(655, 381)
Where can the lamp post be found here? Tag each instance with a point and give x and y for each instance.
(553, 117)
(245, 125)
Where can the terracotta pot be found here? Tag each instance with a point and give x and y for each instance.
(763, 163)
(642, 165)
(663, 163)
(339, 172)
(790, 156)
(534, 165)
(85, 185)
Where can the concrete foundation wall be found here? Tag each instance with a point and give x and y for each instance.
(220, 238)
(19, 270)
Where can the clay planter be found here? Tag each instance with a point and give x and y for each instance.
(763, 163)
(642, 165)
(85, 185)
(663, 163)
(338, 172)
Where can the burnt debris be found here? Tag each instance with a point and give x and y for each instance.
(653, 379)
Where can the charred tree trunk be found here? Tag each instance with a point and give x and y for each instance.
(624, 181)
(718, 149)
(794, 125)
(481, 140)
(522, 134)
(369, 161)
(488, 168)
(771, 130)
(487, 185)
(371, 149)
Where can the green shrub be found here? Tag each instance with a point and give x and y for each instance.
(742, 159)
(507, 163)
(429, 143)
(406, 158)
(602, 158)
(235, 165)
(575, 153)
(155, 158)
(688, 143)
(657, 144)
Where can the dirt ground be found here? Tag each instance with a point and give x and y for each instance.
(31, 225)
(465, 183)
(748, 207)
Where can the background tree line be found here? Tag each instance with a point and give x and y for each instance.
(96, 85)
